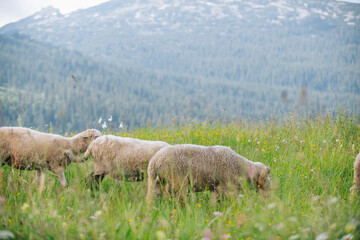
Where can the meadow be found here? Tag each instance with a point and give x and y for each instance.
(311, 165)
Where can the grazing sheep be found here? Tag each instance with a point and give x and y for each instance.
(122, 158)
(355, 189)
(215, 168)
(25, 148)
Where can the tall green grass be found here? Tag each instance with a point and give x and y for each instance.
(311, 164)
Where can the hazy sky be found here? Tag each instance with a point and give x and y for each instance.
(14, 10)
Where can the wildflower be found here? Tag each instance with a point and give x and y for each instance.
(249, 140)
(104, 125)
(218, 213)
(92, 217)
(129, 220)
(160, 235)
(199, 205)
(97, 213)
(5, 234)
(275, 160)
(240, 224)
(271, 206)
(100, 119)
(324, 141)
(121, 125)
(294, 237)
(62, 198)
(25, 206)
(337, 140)
(333, 200)
(230, 222)
(207, 233)
(323, 236)
(110, 118)
(225, 236)
(348, 237)
(350, 227)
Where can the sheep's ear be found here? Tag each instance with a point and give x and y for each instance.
(85, 134)
(264, 172)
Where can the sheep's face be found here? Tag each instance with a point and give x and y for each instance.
(90, 134)
(264, 179)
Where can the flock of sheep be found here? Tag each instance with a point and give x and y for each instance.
(170, 168)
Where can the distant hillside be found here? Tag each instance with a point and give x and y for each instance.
(157, 61)
(37, 88)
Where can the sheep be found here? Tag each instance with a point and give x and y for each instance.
(121, 158)
(355, 189)
(214, 168)
(24, 148)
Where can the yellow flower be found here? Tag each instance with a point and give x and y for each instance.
(10, 221)
(230, 222)
(129, 220)
(199, 205)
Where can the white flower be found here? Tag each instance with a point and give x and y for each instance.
(275, 160)
(337, 140)
(294, 237)
(324, 141)
(271, 206)
(348, 237)
(104, 125)
(98, 213)
(110, 118)
(121, 125)
(323, 236)
(100, 119)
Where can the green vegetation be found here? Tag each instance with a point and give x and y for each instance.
(312, 170)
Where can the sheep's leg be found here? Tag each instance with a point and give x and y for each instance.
(154, 190)
(60, 176)
(93, 181)
(37, 177)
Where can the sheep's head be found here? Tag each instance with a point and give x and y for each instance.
(90, 134)
(260, 174)
(83, 139)
(264, 179)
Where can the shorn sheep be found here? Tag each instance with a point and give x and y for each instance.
(121, 158)
(215, 168)
(355, 189)
(24, 148)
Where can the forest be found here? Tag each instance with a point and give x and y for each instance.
(219, 79)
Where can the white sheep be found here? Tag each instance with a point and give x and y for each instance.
(215, 168)
(355, 189)
(121, 158)
(25, 148)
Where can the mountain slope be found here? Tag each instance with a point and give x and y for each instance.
(193, 59)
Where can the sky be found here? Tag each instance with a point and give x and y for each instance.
(14, 10)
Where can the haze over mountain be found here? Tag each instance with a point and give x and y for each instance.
(248, 57)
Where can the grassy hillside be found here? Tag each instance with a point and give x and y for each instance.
(311, 164)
